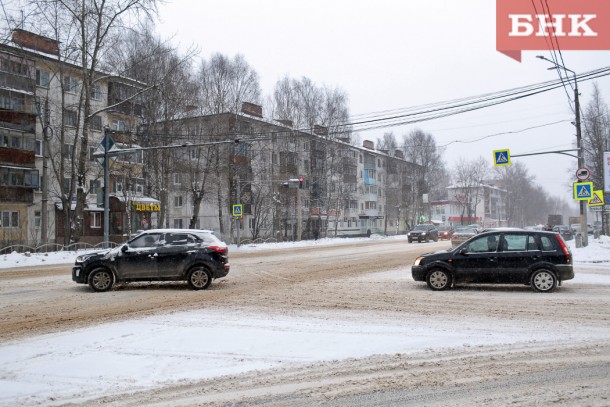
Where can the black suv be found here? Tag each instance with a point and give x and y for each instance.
(194, 256)
(539, 259)
(423, 233)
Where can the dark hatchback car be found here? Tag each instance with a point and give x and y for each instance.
(194, 256)
(423, 233)
(539, 259)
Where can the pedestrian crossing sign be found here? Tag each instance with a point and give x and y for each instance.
(238, 210)
(502, 157)
(597, 199)
(583, 191)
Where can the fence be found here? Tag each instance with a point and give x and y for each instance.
(53, 247)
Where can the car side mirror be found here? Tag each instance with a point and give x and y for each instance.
(463, 251)
(124, 248)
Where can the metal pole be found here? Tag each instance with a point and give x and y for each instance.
(238, 201)
(45, 189)
(581, 151)
(581, 164)
(106, 191)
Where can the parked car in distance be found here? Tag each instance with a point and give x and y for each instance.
(537, 258)
(445, 232)
(565, 231)
(576, 228)
(423, 233)
(194, 256)
(461, 234)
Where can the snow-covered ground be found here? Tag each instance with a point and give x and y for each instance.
(183, 347)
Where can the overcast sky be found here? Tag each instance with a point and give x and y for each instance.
(398, 54)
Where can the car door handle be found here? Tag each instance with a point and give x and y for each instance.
(153, 255)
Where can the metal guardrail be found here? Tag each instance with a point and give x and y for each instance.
(52, 247)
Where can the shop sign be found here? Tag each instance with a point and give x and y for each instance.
(146, 206)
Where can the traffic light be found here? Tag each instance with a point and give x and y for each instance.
(300, 182)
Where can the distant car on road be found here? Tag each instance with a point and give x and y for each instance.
(423, 233)
(461, 234)
(565, 231)
(537, 258)
(576, 228)
(445, 232)
(194, 256)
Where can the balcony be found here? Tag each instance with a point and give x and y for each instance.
(10, 155)
(16, 194)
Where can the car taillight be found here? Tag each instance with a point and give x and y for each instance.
(565, 249)
(219, 249)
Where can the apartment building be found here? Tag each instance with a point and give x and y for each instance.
(224, 160)
(292, 184)
(41, 123)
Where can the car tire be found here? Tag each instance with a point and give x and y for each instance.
(410, 241)
(543, 281)
(199, 278)
(439, 279)
(100, 279)
(436, 239)
(427, 239)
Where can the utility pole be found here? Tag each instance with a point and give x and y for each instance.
(238, 201)
(106, 189)
(581, 150)
(45, 183)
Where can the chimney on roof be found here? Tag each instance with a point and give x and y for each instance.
(399, 154)
(320, 130)
(252, 109)
(368, 144)
(36, 42)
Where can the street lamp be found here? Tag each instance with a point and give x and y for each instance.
(581, 151)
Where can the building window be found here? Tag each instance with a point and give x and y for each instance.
(120, 125)
(177, 223)
(177, 179)
(70, 84)
(38, 150)
(96, 220)
(42, 78)
(9, 219)
(96, 92)
(70, 118)
(118, 187)
(94, 186)
(68, 151)
(178, 201)
(95, 123)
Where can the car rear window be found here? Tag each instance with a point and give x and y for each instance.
(547, 243)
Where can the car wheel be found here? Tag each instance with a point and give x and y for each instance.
(427, 239)
(100, 280)
(436, 239)
(543, 281)
(410, 241)
(199, 278)
(439, 279)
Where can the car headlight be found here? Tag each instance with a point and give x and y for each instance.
(418, 261)
(82, 258)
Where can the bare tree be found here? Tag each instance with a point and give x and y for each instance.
(420, 148)
(387, 142)
(596, 140)
(150, 60)
(469, 177)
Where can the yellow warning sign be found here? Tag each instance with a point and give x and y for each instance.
(597, 199)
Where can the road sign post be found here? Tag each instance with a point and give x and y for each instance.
(502, 157)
